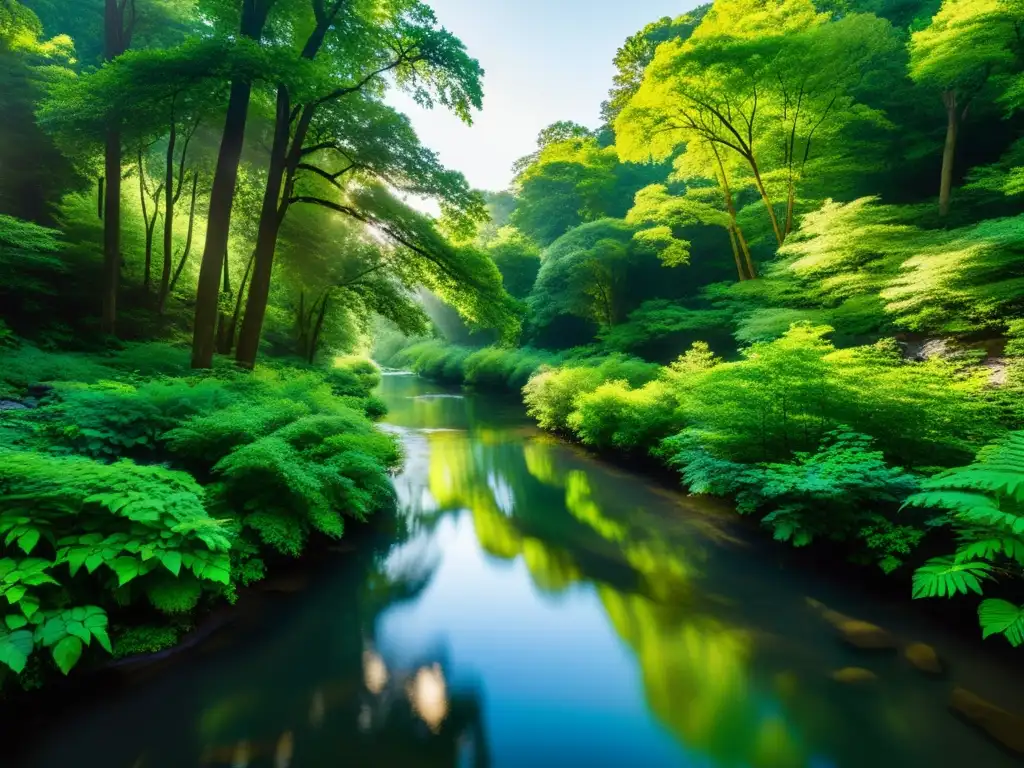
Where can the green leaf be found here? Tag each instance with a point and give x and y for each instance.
(29, 605)
(52, 632)
(1000, 617)
(28, 540)
(15, 648)
(77, 629)
(76, 559)
(100, 633)
(15, 621)
(67, 653)
(126, 568)
(172, 561)
(15, 593)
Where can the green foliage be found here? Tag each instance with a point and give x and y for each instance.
(617, 416)
(984, 503)
(281, 456)
(842, 492)
(144, 639)
(353, 376)
(551, 396)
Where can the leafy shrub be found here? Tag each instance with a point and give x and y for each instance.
(985, 508)
(103, 528)
(839, 492)
(304, 476)
(615, 415)
(352, 376)
(785, 395)
(552, 394)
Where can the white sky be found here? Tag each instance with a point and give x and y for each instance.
(545, 60)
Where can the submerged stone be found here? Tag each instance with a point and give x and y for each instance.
(924, 657)
(854, 675)
(1005, 727)
(860, 634)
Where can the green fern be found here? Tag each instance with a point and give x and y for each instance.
(985, 501)
(944, 577)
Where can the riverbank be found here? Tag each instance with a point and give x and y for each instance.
(139, 498)
(842, 449)
(550, 594)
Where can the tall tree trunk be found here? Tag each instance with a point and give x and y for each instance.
(285, 156)
(314, 341)
(223, 319)
(145, 225)
(949, 151)
(188, 244)
(734, 231)
(271, 215)
(790, 203)
(751, 269)
(222, 197)
(117, 31)
(238, 302)
(767, 200)
(169, 202)
(740, 269)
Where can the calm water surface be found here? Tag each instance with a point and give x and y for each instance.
(543, 609)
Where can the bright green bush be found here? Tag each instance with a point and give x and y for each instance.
(843, 492)
(353, 376)
(618, 416)
(784, 395)
(306, 476)
(551, 395)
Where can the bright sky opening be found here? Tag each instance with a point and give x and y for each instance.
(545, 60)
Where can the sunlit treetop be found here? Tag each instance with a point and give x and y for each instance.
(965, 42)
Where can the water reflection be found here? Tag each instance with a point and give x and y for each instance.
(540, 609)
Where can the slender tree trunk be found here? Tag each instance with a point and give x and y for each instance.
(145, 223)
(751, 269)
(734, 231)
(238, 302)
(740, 269)
(169, 201)
(99, 198)
(223, 343)
(188, 243)
(117, 38)
(271, 216)
(949, 151)
(767, 201)
(790, 203)
(314, 341)
(222, 196)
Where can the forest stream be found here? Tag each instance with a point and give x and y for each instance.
(546, 609)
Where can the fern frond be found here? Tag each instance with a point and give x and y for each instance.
(944, 577)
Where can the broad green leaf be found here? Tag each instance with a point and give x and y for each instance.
(15, 648)
(15, 621)
(77, 629)
(28, 540)
(172, 561)
(1001, 617)
(126, 568)
(67, 653)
